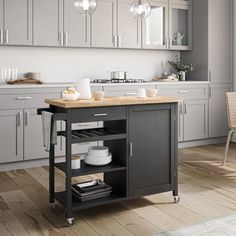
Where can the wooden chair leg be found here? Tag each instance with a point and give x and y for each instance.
(227, 146)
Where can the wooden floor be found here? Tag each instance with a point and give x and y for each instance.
(207, 191)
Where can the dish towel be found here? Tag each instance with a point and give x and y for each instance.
(47, 129)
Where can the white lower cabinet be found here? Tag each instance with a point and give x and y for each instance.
(11, 135)
(218, 123)
(195, 118)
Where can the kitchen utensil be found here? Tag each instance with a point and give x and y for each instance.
(71, 96)
(141, 93)
(83, 87)
(98, 161)
(98, 151)
(152, 93)
(98, 95)
(122, 75)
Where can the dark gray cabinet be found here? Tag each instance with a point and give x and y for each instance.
(16, 22)
(48, 22)
(11, 126)
(152, 151)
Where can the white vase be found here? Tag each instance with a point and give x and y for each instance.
(182, 75)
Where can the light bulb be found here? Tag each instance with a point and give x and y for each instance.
(86, 7)
(140, 9)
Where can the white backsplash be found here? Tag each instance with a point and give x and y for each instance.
(71, 64)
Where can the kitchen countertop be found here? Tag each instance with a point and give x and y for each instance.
(57, 85)
(112, 101)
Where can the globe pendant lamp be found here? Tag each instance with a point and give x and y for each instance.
(140, 9)
(85, 7)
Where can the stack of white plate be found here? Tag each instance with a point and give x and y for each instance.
(98, 156)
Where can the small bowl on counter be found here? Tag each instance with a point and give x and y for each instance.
(71, 96)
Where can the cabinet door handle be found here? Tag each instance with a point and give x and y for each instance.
(65, 38)
(181, 109)
(18, 119)
(130, 149)
(167, 42)
(98, 115)
(1, 36)
(115, 40)
(209, 92)
(170, 42)
(26, 120)
(118, 41)
(185, 108)
(130, 94)
(183, 91)
(61, 38)
(6, 36)
(23, 98)
(210, 75)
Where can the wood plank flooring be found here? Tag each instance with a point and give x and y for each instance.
(207, 191)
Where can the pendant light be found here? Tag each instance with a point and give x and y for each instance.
(85, 7)
(140, 9)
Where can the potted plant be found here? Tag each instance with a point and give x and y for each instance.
(180, 68)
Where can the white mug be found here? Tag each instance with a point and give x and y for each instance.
(141, 93)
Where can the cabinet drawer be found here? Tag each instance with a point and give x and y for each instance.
(125, 90)
(185, 92)
(99, 114)
(21, 101)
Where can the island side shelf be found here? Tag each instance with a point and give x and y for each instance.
(135, 170)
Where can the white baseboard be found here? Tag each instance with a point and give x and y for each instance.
(202, 142)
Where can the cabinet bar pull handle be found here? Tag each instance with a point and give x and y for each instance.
(181, 109)
(114, 40)
(185, 108)
(210, 75)
(18, 119)
(6, 36)
(65, 38)
(23, 98)
(130, 94)
(119, 41)
(27, 114)
(209, 92)
(170, 42)
(167, 42)
(130, 149)
(61, 38)
(183, 91)
(102, 114)
(1, 36)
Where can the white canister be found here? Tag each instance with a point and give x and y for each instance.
(83, 87)
(75, 163)
(141, 93)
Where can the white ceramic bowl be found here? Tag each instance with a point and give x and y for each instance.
(98, 151)
(71, 96)
(98, 161)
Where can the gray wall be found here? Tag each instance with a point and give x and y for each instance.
(67, 64)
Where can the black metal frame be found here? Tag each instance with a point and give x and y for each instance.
(61, 114)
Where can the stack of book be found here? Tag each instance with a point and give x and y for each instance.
(91, 190)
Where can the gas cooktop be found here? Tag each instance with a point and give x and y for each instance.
(118, 81)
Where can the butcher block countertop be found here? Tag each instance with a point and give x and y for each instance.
(112, 101)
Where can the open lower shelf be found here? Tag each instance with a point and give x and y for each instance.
(91, 135)
(87, 169)
(77, 205)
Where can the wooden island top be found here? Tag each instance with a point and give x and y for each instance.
(112, 101)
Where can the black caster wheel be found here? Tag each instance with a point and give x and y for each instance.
(176, 199)
(53, 206)
(70, 221)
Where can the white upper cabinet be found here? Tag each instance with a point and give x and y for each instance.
(76, 27)
(220, 46)
(48, 22)
(180, 26)
(188, 2)
(129, 28)
(16, 22)
(155, 27)
(1, 22)
(103, 23)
